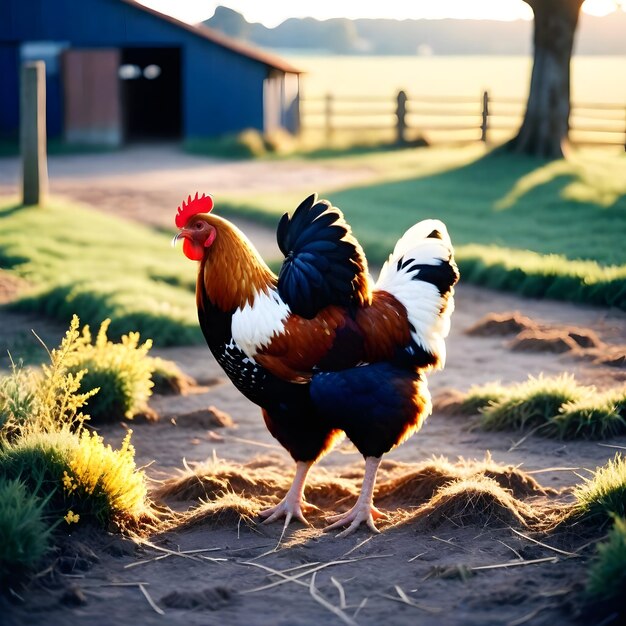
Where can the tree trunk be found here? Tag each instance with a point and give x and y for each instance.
(544, 131)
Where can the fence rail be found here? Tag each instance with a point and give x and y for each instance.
(485, 119)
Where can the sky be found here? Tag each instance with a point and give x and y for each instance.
(273, 12)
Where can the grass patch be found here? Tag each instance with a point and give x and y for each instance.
(599, 416)
(87, 263)
(604, 495)
(555, 406)
(24, 535)
(532, 403)
(495, 206)
(606, 584)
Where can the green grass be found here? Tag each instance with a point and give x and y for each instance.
(532, 403)
(24, 534)
(604, 495)
(556, 406)
(606, 584)
(542, 229)
(596, 416)
(87, 263)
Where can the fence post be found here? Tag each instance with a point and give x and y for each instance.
(484, 126)
(33, 133)
(401, 117)
(329, 116)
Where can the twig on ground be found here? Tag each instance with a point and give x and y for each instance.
(553, 469)
(451, 543)
(608, 445)
(513, 550)
(275, 572)
(341, 590)
(523, 439)
(417, 556)
(358, 608)
(285, 579)
(544, 545)
(547, 559)
(151, 602)
(358, 545)
(182, 553)
(319, 598)
(404, 599)
(531, 615)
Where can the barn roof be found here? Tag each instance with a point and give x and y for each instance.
(255, 54)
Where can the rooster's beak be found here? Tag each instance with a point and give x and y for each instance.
(177, 236)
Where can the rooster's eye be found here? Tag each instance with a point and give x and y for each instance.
(198, 225)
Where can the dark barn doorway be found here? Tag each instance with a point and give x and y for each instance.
(151, 93)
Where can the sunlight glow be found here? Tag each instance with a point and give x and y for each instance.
(273, 12)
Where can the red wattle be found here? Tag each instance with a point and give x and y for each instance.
(192, 250)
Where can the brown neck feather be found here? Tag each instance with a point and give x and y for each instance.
(232, 272)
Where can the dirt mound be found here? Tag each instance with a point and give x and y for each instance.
(478, 501)
(532, 336)
(536, 340)
(230, 493)
(228, 509)
(501, 324)
(208, 418)
(210, 480)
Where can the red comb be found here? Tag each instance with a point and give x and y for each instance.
(192, 207)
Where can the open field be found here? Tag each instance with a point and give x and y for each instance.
(506, 78)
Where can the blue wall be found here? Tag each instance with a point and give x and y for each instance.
(222, 90)
(9, 91)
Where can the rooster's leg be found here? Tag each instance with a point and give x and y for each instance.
(292, 504)
(364, 509)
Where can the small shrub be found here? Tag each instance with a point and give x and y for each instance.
(45, 400)
(81, 474)
(606, 585)
(16, 399)
(24, 535)
(604, 494)
(121, 371)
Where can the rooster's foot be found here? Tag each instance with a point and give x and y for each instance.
(289, 508)
(359, 513)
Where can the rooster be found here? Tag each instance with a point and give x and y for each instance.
(322, 350)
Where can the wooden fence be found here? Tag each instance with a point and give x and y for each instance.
(453, 118)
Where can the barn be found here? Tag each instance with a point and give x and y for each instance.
(117, 71)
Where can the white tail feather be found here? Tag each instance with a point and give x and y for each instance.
(427, 310)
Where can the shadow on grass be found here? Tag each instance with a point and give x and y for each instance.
(543, 229)
(7, 211)
(490, 201)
